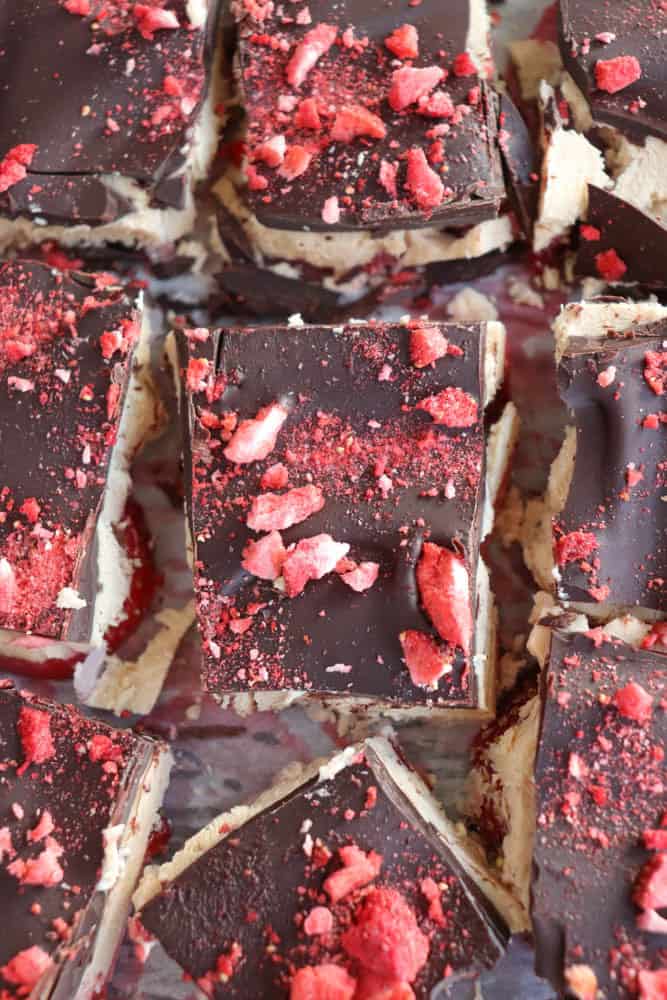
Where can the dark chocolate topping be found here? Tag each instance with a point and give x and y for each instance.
(60, 403)
(383, 468)
(600, 786)
(255, 887)
(521, 163)
(356, 71)
(637, 28)
(611, 388)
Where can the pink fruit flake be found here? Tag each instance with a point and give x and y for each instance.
(279, 511)
(254, 439)
(409, 84)
(444, 588)
(309, 51)
(13, 166)
(26, 968)
(425, 659)
(265, 557)
(353, 121)
(385, 937)
(422, 182)
(358, 870)
(451, 407)
(34, 727)
(634, 702)
(311, 559)
(323, 982)
(612, 75)
(404, 42)
(427, 345)
(362, 577)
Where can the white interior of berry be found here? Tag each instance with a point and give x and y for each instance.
(406, 780)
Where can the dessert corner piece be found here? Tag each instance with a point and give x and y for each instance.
(340, 492)
(77, 804)
(370, 888)
(598, 892)
(136, 126)
(76, 404)
(599, 536)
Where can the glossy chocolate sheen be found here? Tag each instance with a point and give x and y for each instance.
(521, 163)
(90, 95)
(347, 76)
(639, 30)
(261, 869)
(60, 405)
(351, 393)
(600, 785)
(628, 564)
(86, 785)
(639, 241)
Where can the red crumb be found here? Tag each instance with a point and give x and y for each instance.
(444, 588)
(358, 870)
(13, 167)
(575, 546)
(425, 659)
(311, 559)
(254, 439)
(464, 65)
(279, 511)
(409, 84)
(319, 921)
(422, 182)
(151, 19)
(265, 557)
(362, 577)
(427, 345)
(613, 75)
(633, 702)
(353, 120)
(589, 233)
(451, 407)
(655, 371)
(610, 266)
(34, 727)
(309, 51)
(404, 42)
(385, 937)
(26, 968)
(323, 982)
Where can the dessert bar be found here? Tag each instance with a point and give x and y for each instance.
(77, 804)
(340, 493)
(348, 878)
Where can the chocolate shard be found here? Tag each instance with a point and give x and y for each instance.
(599, 778)
(77, 802)
(338, 474)
(353, 846)
(521, 163)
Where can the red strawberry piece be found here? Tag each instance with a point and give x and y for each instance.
(655, 371)
(404, 42)
(652, 985)
(323, 982)
(431, 891)
(7, 587)
(451, 407)
(196, 374)
(6, 846)
(582, 982)
(307, 115)
(633, 702)
(436, 105)
(387, 177)
(427, 345)
(444, 587)
(255, 180)
(610, 266)
(651, 922)
(385, 937)
(589, 233)
(656, 637)
(575, 546)
(151, 19)
(44, 870)
(331, 211)
(655, 840)
(425, 659)
(296, 162)
(42, 829)
(279, 511)
(102, 747)
(319, 921)
(13, 167)
(265, 557)
(311, 559)
(650, 892)
(26, 968)
(254, 439)
(80, 7)
(423, 183)
(353, 120)
(309, 51)
(275, 477)
(409, 84)
(612, 75)
(271, 152)
(464, 65)
(361, 577)
(31, 509)
(34, 728)
(358, 870)
(372, 987)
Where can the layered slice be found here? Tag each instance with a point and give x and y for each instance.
(77, 804)
(598, 538)
(370, 146)
(349, 878)
(340, 493)
(134, 127)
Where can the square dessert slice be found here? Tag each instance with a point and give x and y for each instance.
(598, 538)
(349, 875)
(77, 400)
(135, 127)
(340, 492)
(371, 143)
(77, 804)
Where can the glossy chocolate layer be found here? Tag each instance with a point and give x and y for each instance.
(521, 163)
(637, 28)
(90, 93)
(385, 469)
(356, 71)
(255, 888)
(60, 403)
(600, 786)
(619, 477)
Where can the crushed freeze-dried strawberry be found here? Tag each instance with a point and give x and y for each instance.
(322, 982)
(650, 891)
(610, 266)
(606, 377)
(275, 477)
(296, 162)
(272, 152)
(256, 438)
(426, 661)
(372, 987)
(31, 509)
(314, 44)
(436, 105)
(452, 407)
(362, 577)
(7, 587)
(353, 121)
(13, 166)
(582, 982)
(589, 233)
(655, 371)
(34, 727)
(612, 75)
(307, 115)
(409, 84)
(431, 892)
(279, 511)
(427, 345)
(42, 829)
(197, 374)
(403, 42)
(655, 840)
(265, 557)
(574, 546)
(385, 937)
(464, 65)
(634, 702)
(444, 588)
(26, 968)
(331, 211)
(656, 637)
(80, 7)
(358, 870)
(44, 870)
(255, 180)
(652, 984)
(151, 19)
(311, 559)
(387, 177)
(102, 747)
(319, 921)
(6, 846)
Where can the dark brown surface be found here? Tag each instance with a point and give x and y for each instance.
(628, 522)
(588, 855)
(261, 867)
(329, 380)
